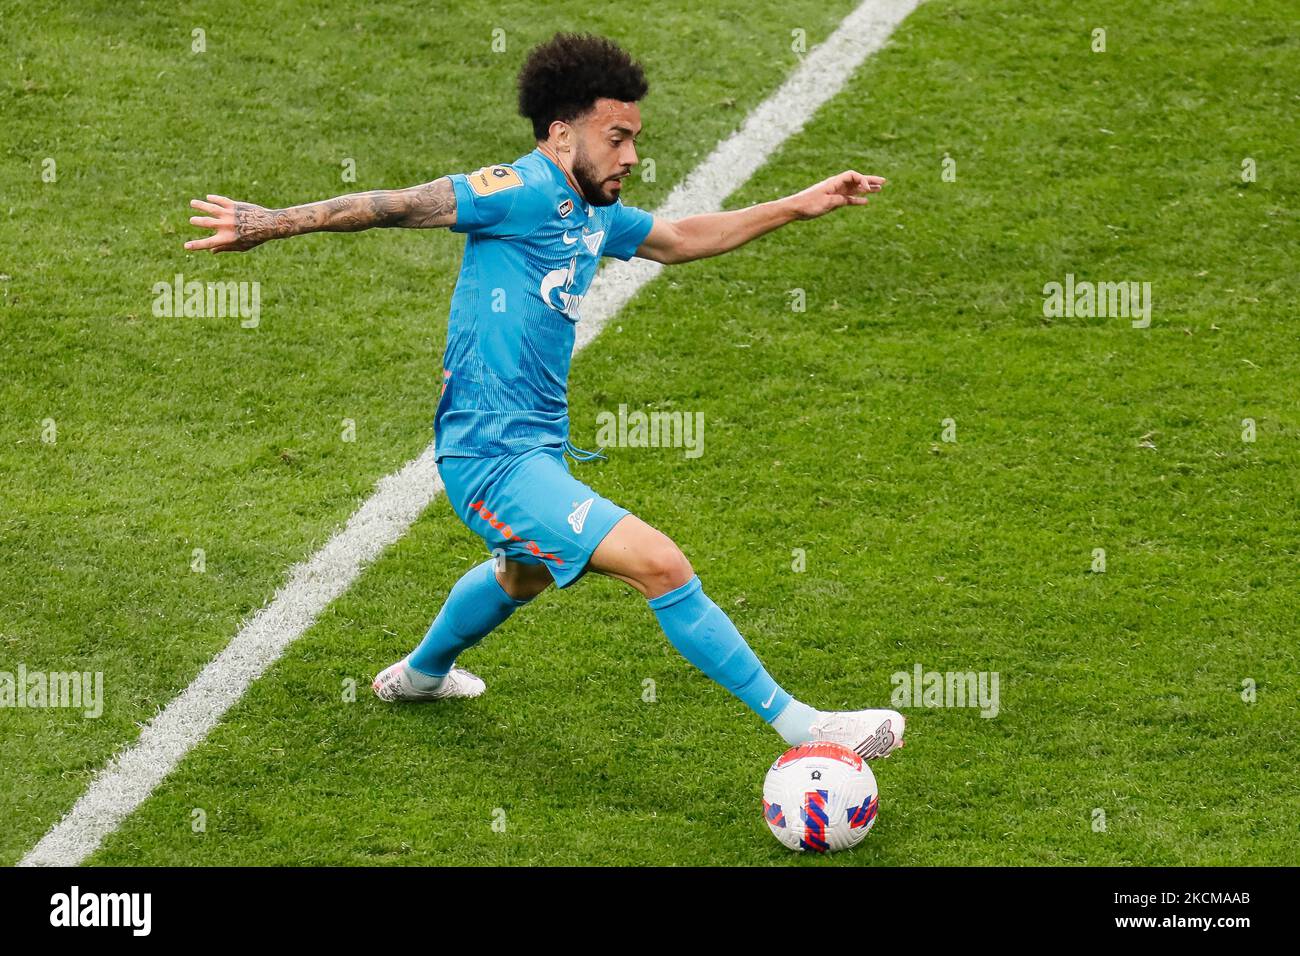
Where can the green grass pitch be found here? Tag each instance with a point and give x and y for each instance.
(1123, 692)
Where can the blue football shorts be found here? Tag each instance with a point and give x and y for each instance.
(529, 507)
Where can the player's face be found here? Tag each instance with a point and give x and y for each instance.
(605, 150)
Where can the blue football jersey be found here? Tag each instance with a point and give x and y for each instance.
(531, 250)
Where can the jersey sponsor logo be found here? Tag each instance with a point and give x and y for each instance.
(493, 179)
(558, 281)
(579, 516)
(569, 240)
(565, 208)
(507, 532)
(593, 241)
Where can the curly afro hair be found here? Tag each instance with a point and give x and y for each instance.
(563, 77)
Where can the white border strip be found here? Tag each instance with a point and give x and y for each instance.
(399, 499)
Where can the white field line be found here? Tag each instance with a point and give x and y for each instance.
(129, 777)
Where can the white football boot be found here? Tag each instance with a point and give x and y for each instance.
(868, 733)
(394, 684)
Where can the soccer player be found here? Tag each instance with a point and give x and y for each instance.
(536, 230)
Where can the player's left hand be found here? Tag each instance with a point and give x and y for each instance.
(849, 188)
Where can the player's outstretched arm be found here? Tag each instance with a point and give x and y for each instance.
(242, 225)
(698, 237)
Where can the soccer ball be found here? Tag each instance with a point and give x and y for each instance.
(820, 797)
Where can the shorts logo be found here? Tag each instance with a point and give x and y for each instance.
(579, 516)
(509, 534)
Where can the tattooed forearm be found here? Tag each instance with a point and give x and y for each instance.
(425, 206)
(428, 206)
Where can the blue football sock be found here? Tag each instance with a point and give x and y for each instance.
(705, 636)
(477, 604)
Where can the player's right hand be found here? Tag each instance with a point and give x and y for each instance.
(235, 224)
(846, 189)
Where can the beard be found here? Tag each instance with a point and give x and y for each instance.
(594, 188)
